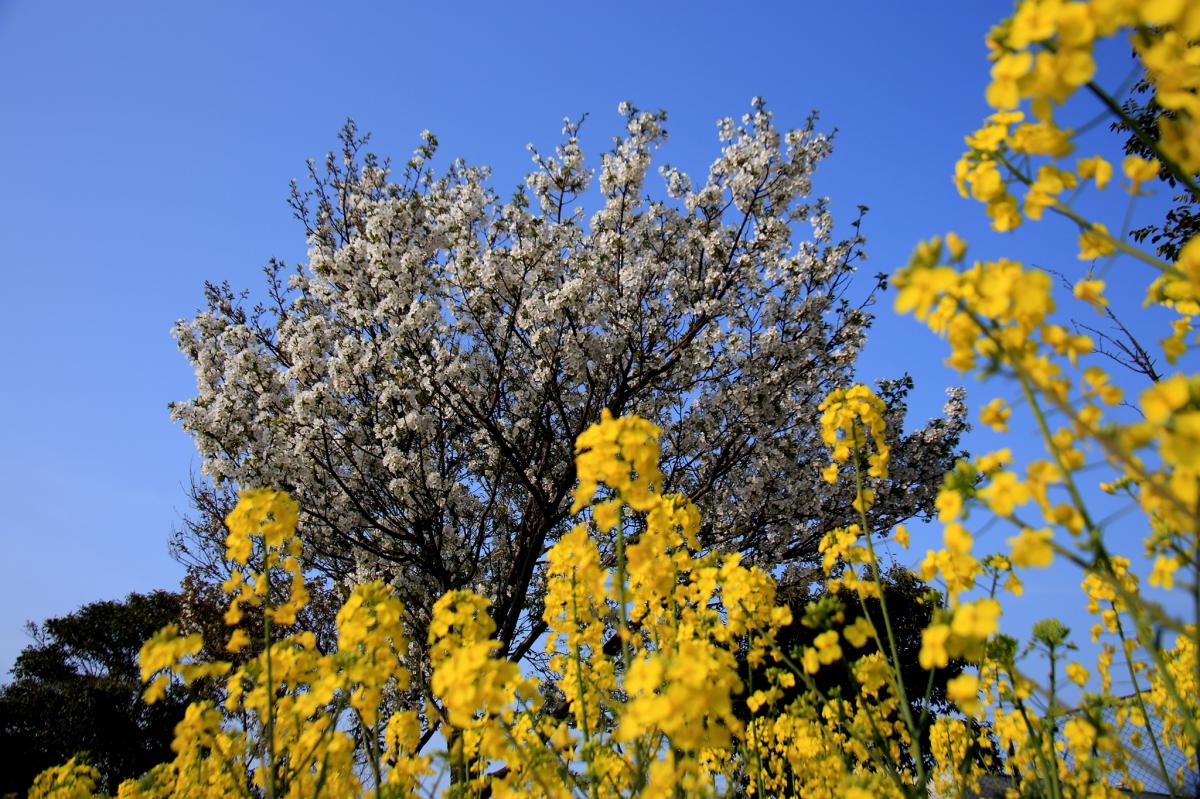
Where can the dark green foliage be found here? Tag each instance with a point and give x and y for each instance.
(76, 691)
(911, 605)
(1183, 219)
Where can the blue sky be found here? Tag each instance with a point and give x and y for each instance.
(147, 147)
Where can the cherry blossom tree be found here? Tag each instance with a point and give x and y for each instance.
(418, 383)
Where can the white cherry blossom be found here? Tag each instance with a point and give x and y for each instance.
(417, 384)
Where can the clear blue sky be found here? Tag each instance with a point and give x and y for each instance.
(146, 147)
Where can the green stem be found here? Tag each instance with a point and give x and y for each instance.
(1100, 553)
(372, 745)
(626, 654)
(1196, 606)
(583, 720)
(1116, 242)
(1135, 604)
(1141, 702)
(321, 776)
(1062, 209)
(1068, 480)
(1148, 141)
(1036, 733)
(269, 754)
(914, 742)
(754, 733)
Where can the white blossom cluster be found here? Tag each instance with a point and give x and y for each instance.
(418, 384)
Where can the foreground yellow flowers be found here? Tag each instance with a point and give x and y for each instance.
(656, 713)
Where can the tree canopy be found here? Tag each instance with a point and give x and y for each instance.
(77, 691)
(418, 382)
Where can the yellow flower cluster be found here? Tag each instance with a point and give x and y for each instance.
(72, 780)
(472, 685)
(304, 718)
(848, 418)
(270, 516)
(622, 454)
(999, 316)
(1041, 57)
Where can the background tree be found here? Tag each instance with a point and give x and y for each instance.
(77, 689)
(912, 603)
(418, 384)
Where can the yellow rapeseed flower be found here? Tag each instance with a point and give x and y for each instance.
(1091, 292)
(1096, 169)
(1139, 170)
(978, 619)
(995, 415)
(1163, 573)
(934, 653)
(1095, 242)
(1004, 493)
(963, 691)
(1032, 549)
